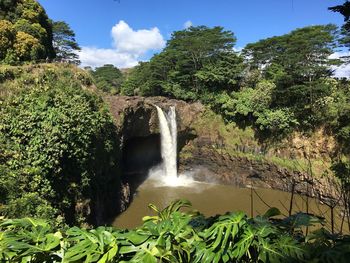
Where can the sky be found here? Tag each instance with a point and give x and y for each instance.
(123, 32)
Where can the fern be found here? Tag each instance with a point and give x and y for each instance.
(175, 236)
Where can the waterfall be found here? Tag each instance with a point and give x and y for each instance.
(168, 133)
(166, 174)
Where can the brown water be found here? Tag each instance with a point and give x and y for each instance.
(212, 199)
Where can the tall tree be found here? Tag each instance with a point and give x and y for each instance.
(64, 43)
(201, 44)
(298, 63)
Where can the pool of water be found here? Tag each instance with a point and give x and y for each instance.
(212, 199)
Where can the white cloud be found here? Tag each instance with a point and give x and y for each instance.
(136, 42)
(188, 24)
(342, 71)
(128, 47)
(96, 57)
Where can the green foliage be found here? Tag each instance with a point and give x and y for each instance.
(7, 37)
(344, 10)
(59, 149)
(249, 101)
(276, 122)
(136, 79)
(174, 236)
(298, 64)
(221, 74)
(108, 78)
(27, 47)
(35, 29)
(341, 112)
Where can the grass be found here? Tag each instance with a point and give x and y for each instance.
(13, 79)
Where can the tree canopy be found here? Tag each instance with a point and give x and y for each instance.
(289, 73)
(108, 78)
(195, 61)
(298, 63)
(24, 24)
(344, 9)
(302, 54)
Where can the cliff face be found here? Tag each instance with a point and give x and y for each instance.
(215, 151)
(209, 163)
(137, 116)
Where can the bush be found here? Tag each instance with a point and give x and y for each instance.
(276, 122)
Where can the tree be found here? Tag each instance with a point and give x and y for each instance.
(195, 62)
(299, 64)
(143, 80)
(223, 73)
(108, 78)
(343, 9)
(24, 17)
(201, 44)
(27, 47)
(194, 48)
(64, 43)
(34, 29)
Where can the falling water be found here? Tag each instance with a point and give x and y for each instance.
(168, 132)
(166, 174)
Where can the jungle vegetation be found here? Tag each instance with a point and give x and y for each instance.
(59, 146)
(172, 235)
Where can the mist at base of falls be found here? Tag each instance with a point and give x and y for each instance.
(158, 175)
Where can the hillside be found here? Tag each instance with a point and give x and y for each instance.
(59, 146)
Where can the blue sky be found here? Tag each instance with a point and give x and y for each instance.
(125, 31)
